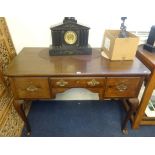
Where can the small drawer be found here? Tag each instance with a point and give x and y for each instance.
(77, 82)
(31, 87)
(123, 86)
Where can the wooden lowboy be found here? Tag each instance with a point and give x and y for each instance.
(35, 75)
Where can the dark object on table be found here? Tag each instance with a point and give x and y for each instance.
(150, 45)
(123, 33)
(70, 38)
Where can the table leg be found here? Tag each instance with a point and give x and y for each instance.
(19, 108)
(133, 104)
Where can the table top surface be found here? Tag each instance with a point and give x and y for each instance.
(35, 61)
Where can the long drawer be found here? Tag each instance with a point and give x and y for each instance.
(67, 82)
(59, 85)
(31, 87)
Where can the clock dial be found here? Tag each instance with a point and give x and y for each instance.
(70, 37)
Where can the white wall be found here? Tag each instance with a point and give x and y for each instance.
(29, 20)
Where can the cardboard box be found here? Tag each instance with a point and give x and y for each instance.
(119, 48)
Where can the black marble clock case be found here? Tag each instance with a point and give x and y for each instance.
(60, 47)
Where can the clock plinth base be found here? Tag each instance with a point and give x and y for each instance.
(70, 51)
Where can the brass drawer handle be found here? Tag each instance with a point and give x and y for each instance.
(61, 83)
(122, 87)
(32, 88)
(93, 83)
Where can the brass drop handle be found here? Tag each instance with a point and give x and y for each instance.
(93, 83)
(61, 83)
(122, 87)
(32, 88)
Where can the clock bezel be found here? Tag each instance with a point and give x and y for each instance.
(77, 38)
(68, 41)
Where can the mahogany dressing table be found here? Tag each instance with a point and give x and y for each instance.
(34, 74)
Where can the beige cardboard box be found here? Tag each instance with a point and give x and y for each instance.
(119, 48)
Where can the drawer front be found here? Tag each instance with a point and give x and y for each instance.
(30, 87)
(77, 82)
(123, 86)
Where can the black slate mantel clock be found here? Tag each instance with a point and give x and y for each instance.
(70, 38)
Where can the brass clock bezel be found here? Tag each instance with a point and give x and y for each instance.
(70, 37)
